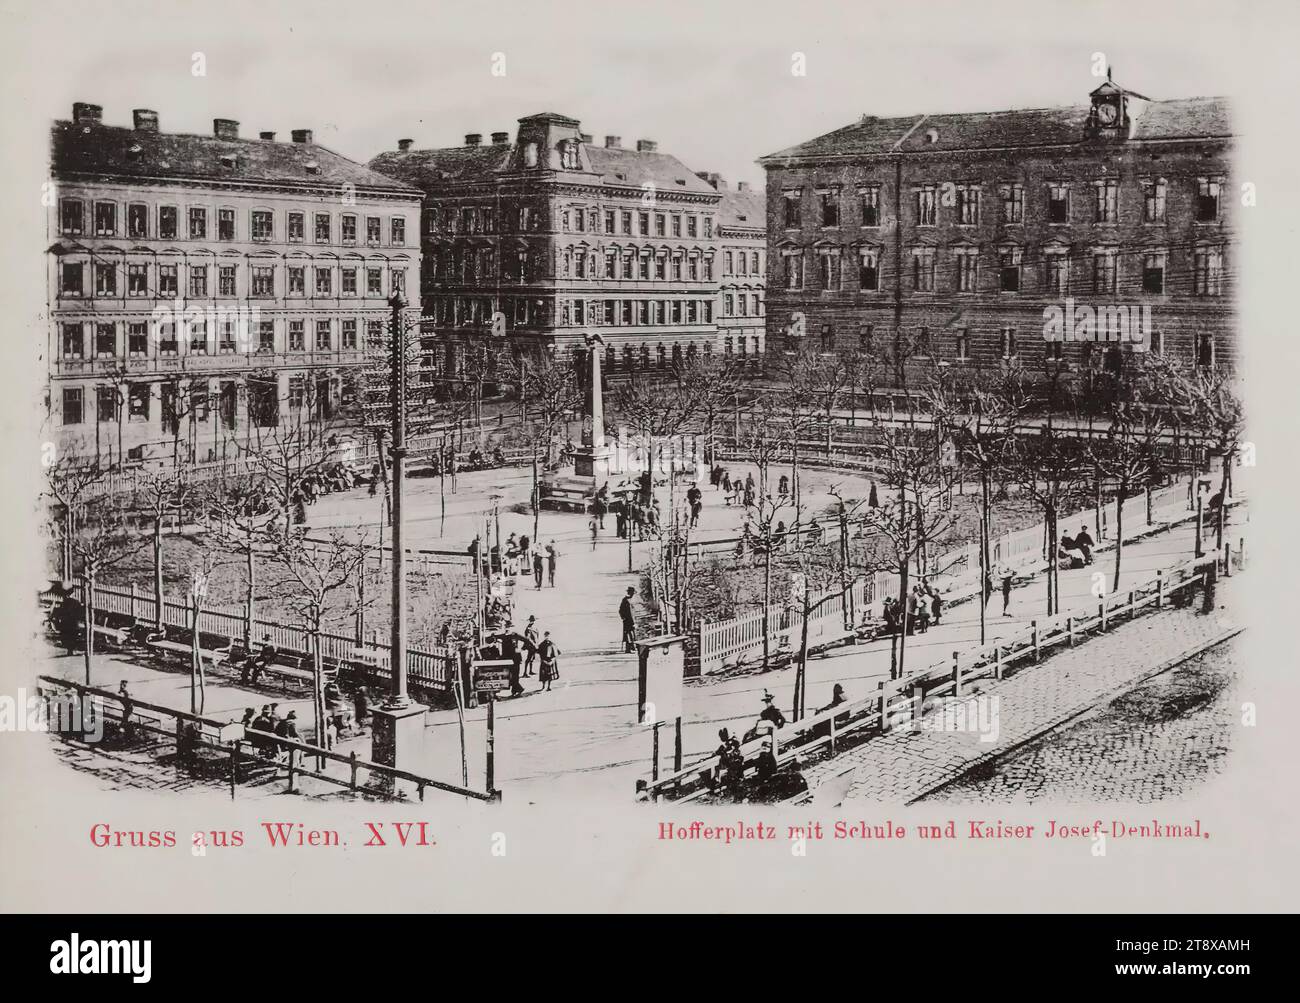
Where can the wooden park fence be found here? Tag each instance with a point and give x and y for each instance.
(900, 703)
(217, 750)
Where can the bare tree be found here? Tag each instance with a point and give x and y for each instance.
(158, 493)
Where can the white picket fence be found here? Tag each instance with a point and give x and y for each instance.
(956, 574)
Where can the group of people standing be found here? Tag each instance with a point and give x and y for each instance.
(527, 652)
(924, 606)
(735, 492)
(523, 556)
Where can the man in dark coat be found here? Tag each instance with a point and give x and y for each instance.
(629, 621)
(770, 712)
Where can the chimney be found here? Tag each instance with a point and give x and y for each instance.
(268, 136)
(500, 139)
(473, 138)
(613, 142)
(646, 146)
(742, 186)
(145, 120)
(87, 114)
(225, 128)
(302, 136)
(403, 145)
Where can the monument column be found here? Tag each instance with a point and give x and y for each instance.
(592, 459)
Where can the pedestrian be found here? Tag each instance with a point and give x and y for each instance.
(550, 661)
(530, 646)
(726, 486)
(696, 499)
(247, 721)
(591, 526)
(511, 644)
(771, 712)
(922, 609)
(288, 728)
(936, 606)
(552, 555)
(629, 621)
(1007, 579)
(361, 706)
(537, 566)
(128, 705)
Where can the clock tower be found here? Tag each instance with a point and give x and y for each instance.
(1113, 111)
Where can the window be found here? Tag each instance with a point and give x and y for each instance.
(264, 280)
(1107, 201)
(967, 270)
(198, 223)
(923, 347)
(828, 337)
(322, 228)
(1057, 262)
(569, 155)
(1053, 352)
(828, 269)
(105, 219)
(1104, 270)
(105, 280)
(609, 220)
(226, 338)
(1204, 350)
(398, 280)
(198, 337)
(968, 204)
(829, 200)
(226, 280)
(348, 281)
(1009, 270)
(324, 281)
(105, 404)
(70, 279)
(708, 268)
(753, 262)
(225, 224)
(262, 226)
(691, 226)
(661, 225)
(375, 330)
(297, 228)
(348, 228)
(728, 304)
(792, 264)
(1008, 343)
(105, 341)
(643, 224)
(137, 280)
(349, 334)
(792, 211)
(677, 225)
(727, 263)
(297, 393)
(1153, 272)
(70, 216)
(866, 336)
(927, 205)
(137, 402)
(1013, 203)
(693, 268)
(397, 231)
(869, 205)
(1207, 274)
(643, 266)
(137, 339)
(627, 222)
(168, 346)
(661, 266)
(923, 270)
(963, 343)
(72, 406)
(677, 267)
(1153, 200)
(1207, 200)
(137, 220)
(297, 335)
(167, 222)
(297, 280)
(374, 228)
(73, 341)
(198, 280)
(168, 281)
(266, 336)
(1058, 203)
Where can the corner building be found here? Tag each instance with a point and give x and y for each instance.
(950, 238)
(550, 239)
(201, 286)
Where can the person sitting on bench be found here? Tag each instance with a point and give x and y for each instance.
(1084, 544)
(1067, 551)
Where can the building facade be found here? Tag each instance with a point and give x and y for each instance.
(1058, 240)
(550, 239)
(742, 252)
(200, 286)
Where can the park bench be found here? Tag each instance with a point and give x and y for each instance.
(568, 494)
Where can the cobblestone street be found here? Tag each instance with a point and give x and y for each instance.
(906, 765)
(1160, 740)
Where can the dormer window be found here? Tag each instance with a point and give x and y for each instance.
(569, 155)
(133, 151)
(311, 167)
(228, 160)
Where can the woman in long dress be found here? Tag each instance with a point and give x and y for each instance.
(549, 655)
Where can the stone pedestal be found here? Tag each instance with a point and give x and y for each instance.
(398, 736)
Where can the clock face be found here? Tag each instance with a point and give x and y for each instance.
(1107, 113)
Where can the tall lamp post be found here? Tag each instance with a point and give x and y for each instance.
(398, 728)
